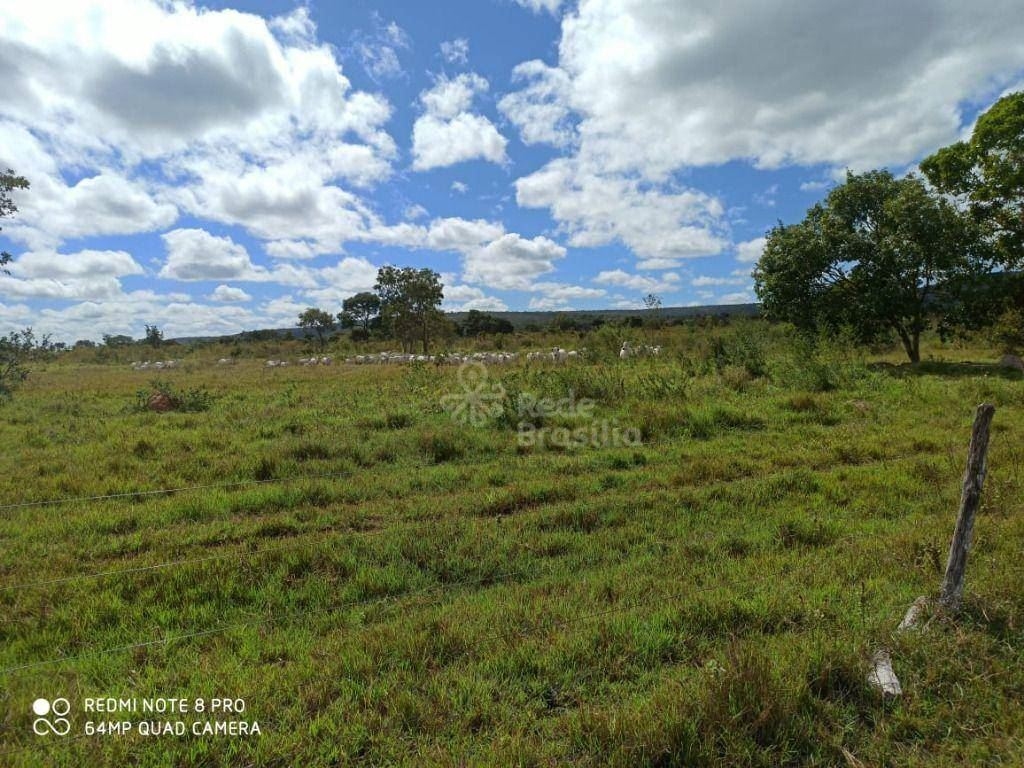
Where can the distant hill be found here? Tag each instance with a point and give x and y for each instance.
(521, 320)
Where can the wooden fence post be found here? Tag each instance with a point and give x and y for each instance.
(882, 675)
(970, 500)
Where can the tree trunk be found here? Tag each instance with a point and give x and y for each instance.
(911, 344)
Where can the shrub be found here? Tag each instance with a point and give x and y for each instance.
(1008, 332)
(743, 348)
(15, 349)
(736, 377)
(806, 368)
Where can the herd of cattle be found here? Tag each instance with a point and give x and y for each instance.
(158, 365)
(556, 355)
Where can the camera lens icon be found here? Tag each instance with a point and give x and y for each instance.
(58, 724)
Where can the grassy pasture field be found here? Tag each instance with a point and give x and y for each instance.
(384, 585)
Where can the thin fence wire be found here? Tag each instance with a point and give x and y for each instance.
(326, 538)
(171, 491)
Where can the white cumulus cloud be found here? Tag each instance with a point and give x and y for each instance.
(668, 282)
(449, 132)
(455, 51)
(227, 293)
(195, 254)
(645, 90)
(462, 298)
(750, 251)
(159, 107)
(595, 210)
(86, 274)
(512, 261)
(540, 110)
(551, 6)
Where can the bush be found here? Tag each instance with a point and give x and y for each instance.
(12, 372)
(809, 368)
(603, 344)
(15, 349)
(1008, 332)
(742, 348)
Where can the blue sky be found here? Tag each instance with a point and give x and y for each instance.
(216, 167)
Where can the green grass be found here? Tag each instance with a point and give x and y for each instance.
(387, 586)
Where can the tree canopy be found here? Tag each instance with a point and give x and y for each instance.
(879, 255)
(987, 172)
(9, 181)
(320, 322)
(117, 340)
(360, 311)
(410, 301)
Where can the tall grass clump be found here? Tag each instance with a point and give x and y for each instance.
(192, 400)
(821, 364)
(742, 346)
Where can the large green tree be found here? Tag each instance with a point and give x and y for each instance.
(987, 173)
(360, 311)
(320, 322)
(879, 255)
(410, 301)
(9, 181)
